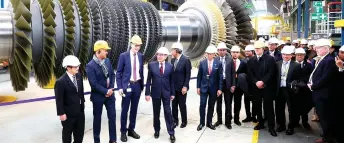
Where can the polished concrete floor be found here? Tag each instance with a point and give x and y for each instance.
(36, 122)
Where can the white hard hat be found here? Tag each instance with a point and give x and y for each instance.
(249, 48)
(70, 60)
(304, 41)
(266, 44)
(163, 50)
(259, 44)
(222, 45)
(300, 51)
(177, 45)
(211, 49)
(341, 48)
(288, 50)
(311, 43)
(295, 41)
(261, 39)
(281, 42)
(273, 40)
(322, 42)
(235, 49)
(252, 41)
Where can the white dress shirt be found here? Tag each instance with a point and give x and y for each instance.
(132, 66)
(272, 53)
(223, 61)
(237, 64)
(284, 73)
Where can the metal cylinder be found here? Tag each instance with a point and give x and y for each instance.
(6, 34)
(187, 28)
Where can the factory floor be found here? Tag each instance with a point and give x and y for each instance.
(32, 119)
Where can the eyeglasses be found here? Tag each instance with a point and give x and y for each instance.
(161, 54)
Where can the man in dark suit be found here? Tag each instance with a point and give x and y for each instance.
(273, 42)
(130, 84)
(303, 98)
(322, 83)
(249, 53)
(287, 71)
(227, 86)
(338, 99)
(241, 86)
(209, 84)
(181, 77)
(69, 93)
(262, 73)
(160, 87)
(101, 78)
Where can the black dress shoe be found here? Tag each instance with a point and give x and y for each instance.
(272, 132)
(281, 129)
(218, 123)
(237, 122)
(306, 125)
(175, 124)
(133, 134)
(248, 119)
(156, 135)
(124, 138)
(183, 125)
(200, 126)
(172, 138)
(211, 126)
(259, 126)
(229, 126)
(289, 131)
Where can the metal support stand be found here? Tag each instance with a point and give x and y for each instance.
(306, 18)
(298, 18)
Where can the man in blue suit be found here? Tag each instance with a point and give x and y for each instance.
(209, 84)
(101, 78)
(273, 42)
(160, 82)
(181, 77)
(130, 84)
(322, 83)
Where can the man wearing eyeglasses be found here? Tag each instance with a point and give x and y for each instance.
(130, 84)
(101, 78)
(160, 87)
(69, 93)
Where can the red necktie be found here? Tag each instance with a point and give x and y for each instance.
(234, 60)
(134, 69)
(161, 69)
(209, 67)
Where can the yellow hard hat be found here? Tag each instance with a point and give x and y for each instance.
(101, 44)
(288, 38)
(136, 40)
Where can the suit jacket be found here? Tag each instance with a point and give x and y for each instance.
(293, 73)
(241, 79)
(323, 76)
(181, 74)
(97, 80)
(215, 78)
(160, 86)
(262, 70)
(230, 71)
(124, 70)
(67, 97)
(277, 55)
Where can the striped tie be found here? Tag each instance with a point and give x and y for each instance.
(75, 83)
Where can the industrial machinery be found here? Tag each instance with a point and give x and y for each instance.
(37, 34)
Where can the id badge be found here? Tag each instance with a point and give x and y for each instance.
(129, 89)
(207, 77)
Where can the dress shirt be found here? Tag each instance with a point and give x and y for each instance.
(132, 66)
(237, 64)
(284, 73)
(223, 61)
(163, 66)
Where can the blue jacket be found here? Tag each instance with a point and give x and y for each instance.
(215, 78)
(97, 80)
(181, 74)
(124, 70)
(157, 85)
(323, 77)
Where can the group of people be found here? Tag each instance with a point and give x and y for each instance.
(286, 75)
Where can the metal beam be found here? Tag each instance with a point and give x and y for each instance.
(306, 18)
(342, 33)
(298, 18)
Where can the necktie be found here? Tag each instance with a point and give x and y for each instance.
(234, 60)
(175, 64)
(161, 69)
(209, 67)
(134, 69)
(75, 83)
